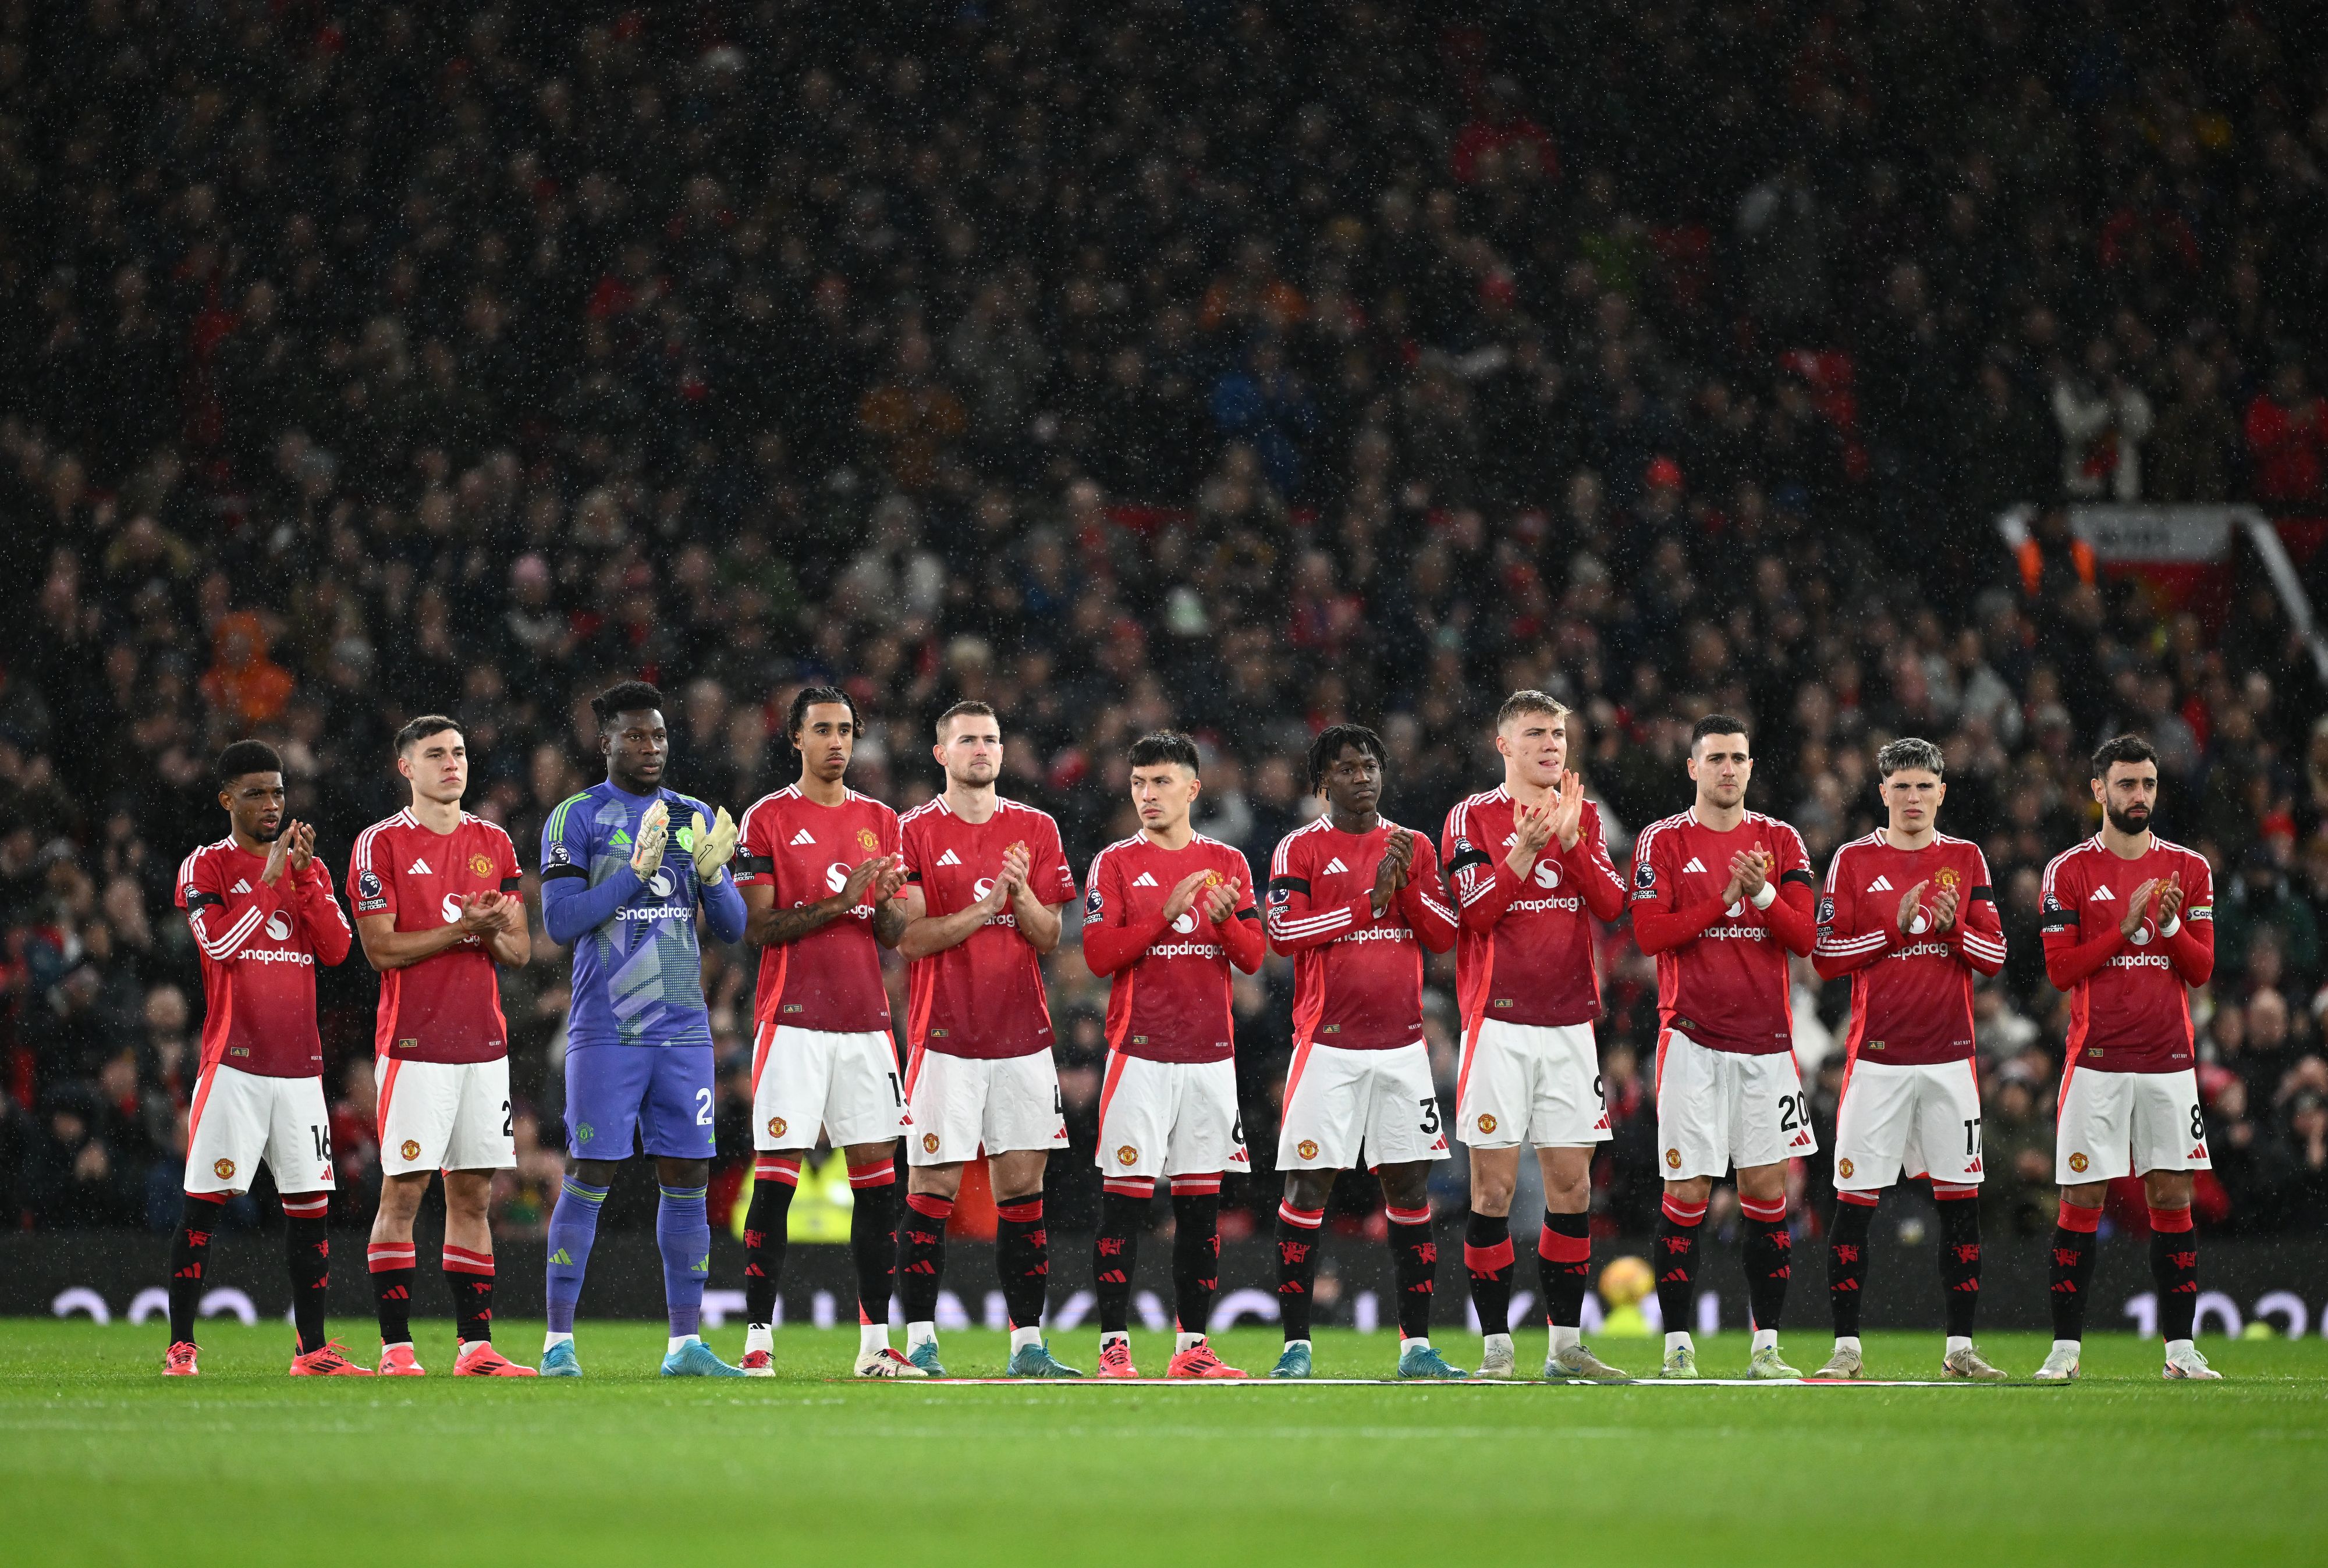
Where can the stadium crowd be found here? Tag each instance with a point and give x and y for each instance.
(1238, 368)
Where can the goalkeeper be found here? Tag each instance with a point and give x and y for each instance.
(624, 866)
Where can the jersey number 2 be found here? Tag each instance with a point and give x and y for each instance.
(703, 1107)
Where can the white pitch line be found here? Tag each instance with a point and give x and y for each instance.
(1421, 1383)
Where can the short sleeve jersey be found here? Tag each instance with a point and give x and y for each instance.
(829, 979)
(1911, 1006)
(1727, 988)
(638, 978)
(448, 1007)
(1361, 989)
(258, 958)
(1535, 966)
(2133, 1014)
(1172, 1002)
(982, 997)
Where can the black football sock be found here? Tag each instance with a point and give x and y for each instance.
(1564, 1266)
(1414, 1265)
(1196, 1250)
(307, 1250)
(1115, 1251)
(873, 1238)
(2174, 1269)
(1022, 1257)
(765, 1226)
(470, 1277)
(190, 1262)
(1847, 1263)
(921, 1254)
(1960, 1262)
(1677, 1227)
(1488, 1259)
(1769, 1247)
(1296, 1266)
(2072, 1268)
(393, 1265)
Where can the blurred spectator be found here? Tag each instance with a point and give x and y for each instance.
(2287, 437)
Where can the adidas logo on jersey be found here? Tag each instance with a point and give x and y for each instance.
(1882, 884)
(419, 868)
(2102, 894)
(1802, 1141)
(241, 886)
(1694, 865)
(949, 858)
(1143, 881)
(1334, 865)
(797, 839)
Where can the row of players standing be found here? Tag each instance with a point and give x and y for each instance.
(969, 888)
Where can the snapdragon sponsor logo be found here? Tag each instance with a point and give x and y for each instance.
(1737, 933)
(1376, 934)
(656, 912)
(1187, 950)
(2141, 961)
(275, 956)
(1925, 951)
(1569, 902)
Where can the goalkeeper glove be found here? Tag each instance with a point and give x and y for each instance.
(654, 832)
(715, 844)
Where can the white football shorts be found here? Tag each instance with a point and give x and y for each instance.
(806, 1079)
(240, 1119)
(445, 1115)
(956, 1105)
(1339, 1102)
(1717, 1109)
(1537, 1084)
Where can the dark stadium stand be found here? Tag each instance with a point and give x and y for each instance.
(1241, 367)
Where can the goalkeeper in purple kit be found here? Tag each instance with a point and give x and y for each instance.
(624, 866)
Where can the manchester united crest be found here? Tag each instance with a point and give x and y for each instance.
(1307, 1148)
(223, 1170)
(929, 1143)
(2079, 1162)
(410, 1149)
(1487, 1124)
(1673, 1158)
(776, 1127)
(1127, 1156)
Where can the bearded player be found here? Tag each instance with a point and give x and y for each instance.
(1354, 900)
(1909, 915)
(2129, 929)
(1721, 896)
(821, 874)
(621, 884)
(1166, 913)
(985, 879)
(436, 894)
(1526, 861)
(260, 907)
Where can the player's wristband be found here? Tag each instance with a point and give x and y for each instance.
(1768, 896)
(2171, 927)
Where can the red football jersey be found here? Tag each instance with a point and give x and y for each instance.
(446, 1007)
(1170, 1002)
(1524, 951)
(1910, 996)
(1726, 987)
(259, 947)
(982, 997)
(1357, 978)
(2132, 1013)
(831, 979)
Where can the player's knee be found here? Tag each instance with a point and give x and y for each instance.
(1696, 1190)
(1406, 1186)
(1491, 1191)
(1308, 1189)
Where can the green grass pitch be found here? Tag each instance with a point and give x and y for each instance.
(104, 1460)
